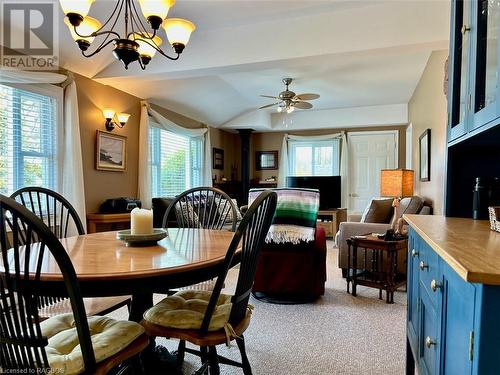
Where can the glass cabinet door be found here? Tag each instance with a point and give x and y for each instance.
(459, 65)
(486, 61)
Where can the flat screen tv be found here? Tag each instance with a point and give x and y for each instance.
(328, 186)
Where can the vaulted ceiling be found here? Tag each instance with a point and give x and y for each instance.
(353, 53)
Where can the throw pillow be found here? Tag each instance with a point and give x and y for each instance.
(378, 211)
(225, 210)
(187, 215)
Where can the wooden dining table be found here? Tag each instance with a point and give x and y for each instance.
(106, 266)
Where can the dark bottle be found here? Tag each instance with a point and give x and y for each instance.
(480, 199)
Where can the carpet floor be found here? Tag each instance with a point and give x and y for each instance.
(338, 334)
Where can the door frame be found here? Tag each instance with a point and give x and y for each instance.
(350, 135)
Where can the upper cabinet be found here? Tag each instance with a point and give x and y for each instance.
(473, 67)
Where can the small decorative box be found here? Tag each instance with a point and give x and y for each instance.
(494, 218)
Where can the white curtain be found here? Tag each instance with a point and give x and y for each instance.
(344, 161)
(147, 113)
(344, 171)
(72, 166)
(283, 167)
(144, 175)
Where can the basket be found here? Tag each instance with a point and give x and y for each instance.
(494, 218)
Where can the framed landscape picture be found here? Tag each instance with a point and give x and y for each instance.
(111, 152)
(424, 145)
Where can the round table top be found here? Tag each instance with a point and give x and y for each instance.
(100, 256)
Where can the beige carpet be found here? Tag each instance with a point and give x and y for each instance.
(339, 334)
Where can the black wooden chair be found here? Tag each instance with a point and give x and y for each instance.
(69, 343)
(232, 323)
(202, 207)
(63, 221)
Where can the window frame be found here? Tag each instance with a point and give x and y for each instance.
(293, 144)
(56, 93)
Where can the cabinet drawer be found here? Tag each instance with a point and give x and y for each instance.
(429, 273)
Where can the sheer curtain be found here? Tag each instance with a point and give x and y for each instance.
(144, 186)
(284, 168)
(70, 183)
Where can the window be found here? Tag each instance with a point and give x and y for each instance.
(175, 162)
(28, 139)
(318, 158)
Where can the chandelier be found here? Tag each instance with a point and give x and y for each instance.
(137, 43)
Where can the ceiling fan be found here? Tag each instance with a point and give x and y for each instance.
(288, 100)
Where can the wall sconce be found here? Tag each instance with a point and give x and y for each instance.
(114, 119)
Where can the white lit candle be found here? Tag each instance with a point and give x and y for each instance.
(141, 221)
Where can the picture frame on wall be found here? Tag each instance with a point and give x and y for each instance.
(217, 158)
(111, 152)
(424, 145)
(266, 160)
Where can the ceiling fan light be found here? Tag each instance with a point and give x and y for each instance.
(156, 8)
(146, 44)
(178, 32)
(88, 26)
(79, 7)
(279, 109)
(290, 109)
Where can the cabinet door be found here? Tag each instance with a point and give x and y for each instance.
(484, 67)
(457, 323)
(414, 245)
(429, 340)
(459, 100)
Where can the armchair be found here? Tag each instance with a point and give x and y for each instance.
(292, 272)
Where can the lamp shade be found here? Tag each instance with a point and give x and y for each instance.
(80, 7)
(156, 8)
(396, 183)
(146, 44)
(85, 29)
(178, 30)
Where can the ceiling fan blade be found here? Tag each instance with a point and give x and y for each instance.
(307, 96)
(268, 96)
(302, 105)
(269, 105)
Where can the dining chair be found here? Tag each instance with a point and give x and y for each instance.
(202, 207)
(68, 343)
(63, 221)
(208, 319)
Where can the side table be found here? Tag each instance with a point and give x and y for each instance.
(379, 260)
(94, 219)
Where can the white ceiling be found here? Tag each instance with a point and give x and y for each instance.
(353, 53)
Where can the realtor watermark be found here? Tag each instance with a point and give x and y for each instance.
(29, 35)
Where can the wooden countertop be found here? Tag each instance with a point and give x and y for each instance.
(468, 246)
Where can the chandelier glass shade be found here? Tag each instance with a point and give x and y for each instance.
(138, 42)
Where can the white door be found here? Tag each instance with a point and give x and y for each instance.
(369, 152)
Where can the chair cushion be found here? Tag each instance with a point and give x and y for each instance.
(186, 309)
(378, 211)
(108, 336)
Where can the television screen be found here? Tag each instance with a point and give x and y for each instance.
(328, 186)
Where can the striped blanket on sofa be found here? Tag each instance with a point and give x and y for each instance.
(295, 217)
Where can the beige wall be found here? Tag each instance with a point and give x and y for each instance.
(428, 110)
(100, 185)
(272, 141)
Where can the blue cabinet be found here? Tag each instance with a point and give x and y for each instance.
(453, 326)
(473, 67)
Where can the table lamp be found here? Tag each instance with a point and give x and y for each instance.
(396, 183)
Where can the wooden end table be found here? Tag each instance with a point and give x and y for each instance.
(379, 264)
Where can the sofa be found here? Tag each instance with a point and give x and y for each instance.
(357, 225)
